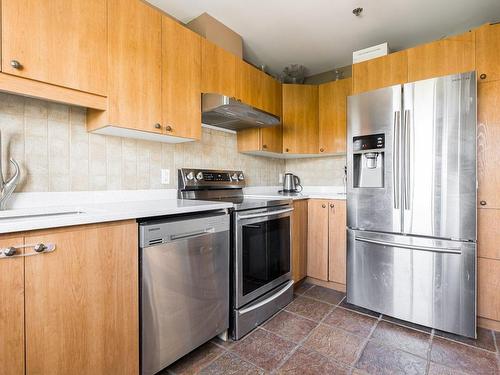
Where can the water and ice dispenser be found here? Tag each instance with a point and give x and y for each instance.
(368, 161)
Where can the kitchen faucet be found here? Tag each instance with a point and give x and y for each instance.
(7, 187)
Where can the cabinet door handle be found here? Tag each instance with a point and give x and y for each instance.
(321, 150)
(264, 146)
(16, 64)
(11, 252)
(323, 205)
(482, 203)
(483, 76)
(157, 126)
(168, 128)
(332, 205)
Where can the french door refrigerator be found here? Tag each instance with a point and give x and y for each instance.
(411, 202)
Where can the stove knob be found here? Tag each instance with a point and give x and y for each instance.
(241, 177)
(234, 177)
(199, 176)
(190, 176)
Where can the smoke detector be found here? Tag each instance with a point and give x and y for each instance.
(357, 11)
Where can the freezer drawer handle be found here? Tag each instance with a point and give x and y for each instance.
(263, 214)
(447, 250)
(183, 236)
(267, 300)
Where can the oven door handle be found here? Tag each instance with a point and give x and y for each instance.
(263, 214)
(267, 300)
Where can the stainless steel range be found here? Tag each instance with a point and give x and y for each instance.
(260, 245)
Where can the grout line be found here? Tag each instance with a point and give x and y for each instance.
(427, 367)
(495, 342)
(367, 340)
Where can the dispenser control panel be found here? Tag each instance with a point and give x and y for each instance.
(368, 142)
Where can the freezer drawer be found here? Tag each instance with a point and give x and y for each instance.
(426, 281)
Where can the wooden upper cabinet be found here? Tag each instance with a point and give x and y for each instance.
(61, 42)
(337, 241)
(12, 310)
(272, 91)
(488, 52)
(443, 57)
(82, 301)
(218, 70)
(333, 115)
(317, 239)
(181, 80)
(300, 119)
(134, 57)
(488, 144)
(380, 72)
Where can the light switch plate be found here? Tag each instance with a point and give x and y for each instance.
(165, 176)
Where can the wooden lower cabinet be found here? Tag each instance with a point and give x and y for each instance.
(299, 240)
(337, 242)
(317, 239)
(11, 310)
(80, 302)
(488, 286)
(326, 249)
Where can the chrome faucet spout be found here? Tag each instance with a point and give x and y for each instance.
(7, 187)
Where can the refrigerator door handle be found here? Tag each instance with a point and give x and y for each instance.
(395, 158)
(407, 136)
(447, 250)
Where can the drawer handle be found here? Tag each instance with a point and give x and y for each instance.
(16, 64)
(482, 76)
(39, 248)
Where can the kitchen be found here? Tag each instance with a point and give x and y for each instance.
(178, 195)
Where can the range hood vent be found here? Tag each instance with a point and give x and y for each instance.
(230, 113)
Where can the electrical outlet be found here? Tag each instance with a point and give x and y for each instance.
(165, 176)
(280, 178)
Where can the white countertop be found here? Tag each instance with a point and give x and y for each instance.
(31, 211)
(66, 209)
(308, 192)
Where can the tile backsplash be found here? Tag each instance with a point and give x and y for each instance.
(50, 142)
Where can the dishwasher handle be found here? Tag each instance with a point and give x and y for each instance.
(187, 235)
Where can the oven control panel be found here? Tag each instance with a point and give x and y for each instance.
(209, 177)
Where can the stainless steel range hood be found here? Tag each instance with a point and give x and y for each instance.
(230, 113)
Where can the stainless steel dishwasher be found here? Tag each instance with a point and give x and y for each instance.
(184, 285)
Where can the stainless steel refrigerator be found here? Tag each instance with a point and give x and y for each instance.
(411, 202)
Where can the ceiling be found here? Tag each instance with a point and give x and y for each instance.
(322, 34)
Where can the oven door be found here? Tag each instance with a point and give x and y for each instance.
(263, 247)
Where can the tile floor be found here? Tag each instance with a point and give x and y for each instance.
(320, 333)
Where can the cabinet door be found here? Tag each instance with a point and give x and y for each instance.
(272, 139)
(317, 239)
(488, 144)
(249, 83)
(488, 285)
(443, 57)
(333, 115)
(82, 301)
(380, 72)
(62, 42)
(488, 224)
(337, 242)
(299, 240)
(181, 80)
(218, 70)
(12, 310)
(272, 94)
(488, 52)
(134, 65)
(300, 119)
